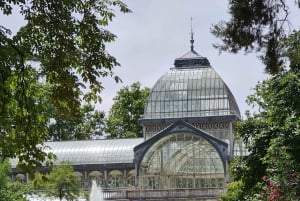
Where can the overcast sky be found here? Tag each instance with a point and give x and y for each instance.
(158, 31)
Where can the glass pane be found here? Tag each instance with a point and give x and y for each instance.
(185, 157)
(190, 93)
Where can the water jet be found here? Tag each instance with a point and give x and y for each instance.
(96, 192)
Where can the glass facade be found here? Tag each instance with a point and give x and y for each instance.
(181, 160)
(190, 92)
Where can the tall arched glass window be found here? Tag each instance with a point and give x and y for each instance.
(181, 160)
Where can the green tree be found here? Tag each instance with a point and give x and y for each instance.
(10, 190)
(256, 25)
(37, 182)
(22, 129)
(128, 106)
(234, 191)
(63, 183)
(63, 129)
(62, 45)
(272, 135)
(92, 124)
(89, 123)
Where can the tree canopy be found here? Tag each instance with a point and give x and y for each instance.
(127, 109)
(272, 136)
(57, 58)
(63, 183)
(10, 190)
(256, 25)
(88, 124)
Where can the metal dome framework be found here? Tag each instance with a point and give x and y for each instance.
(190, 92)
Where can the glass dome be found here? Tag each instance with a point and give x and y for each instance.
(191, 89)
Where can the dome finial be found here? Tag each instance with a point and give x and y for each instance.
(192, 36)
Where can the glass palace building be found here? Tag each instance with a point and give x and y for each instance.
(189, 124)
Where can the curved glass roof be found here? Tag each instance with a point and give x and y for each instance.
(93, 151)
(191, 89)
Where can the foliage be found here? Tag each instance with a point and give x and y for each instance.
(283, 181)
(37, 182)
(23, 124)
(63, 183)
(234, 191)
(92, 123)
(256, 25)
(272, 135)
(89, 123)
(128, 106)
(10, 190)
(56, 60)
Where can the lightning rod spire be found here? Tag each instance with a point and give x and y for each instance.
(192, 36)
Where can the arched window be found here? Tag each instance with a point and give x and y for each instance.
(181, 160)
(130, 181)
(115, 179)
(96, 176)
(20, 178)
(79, 175)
